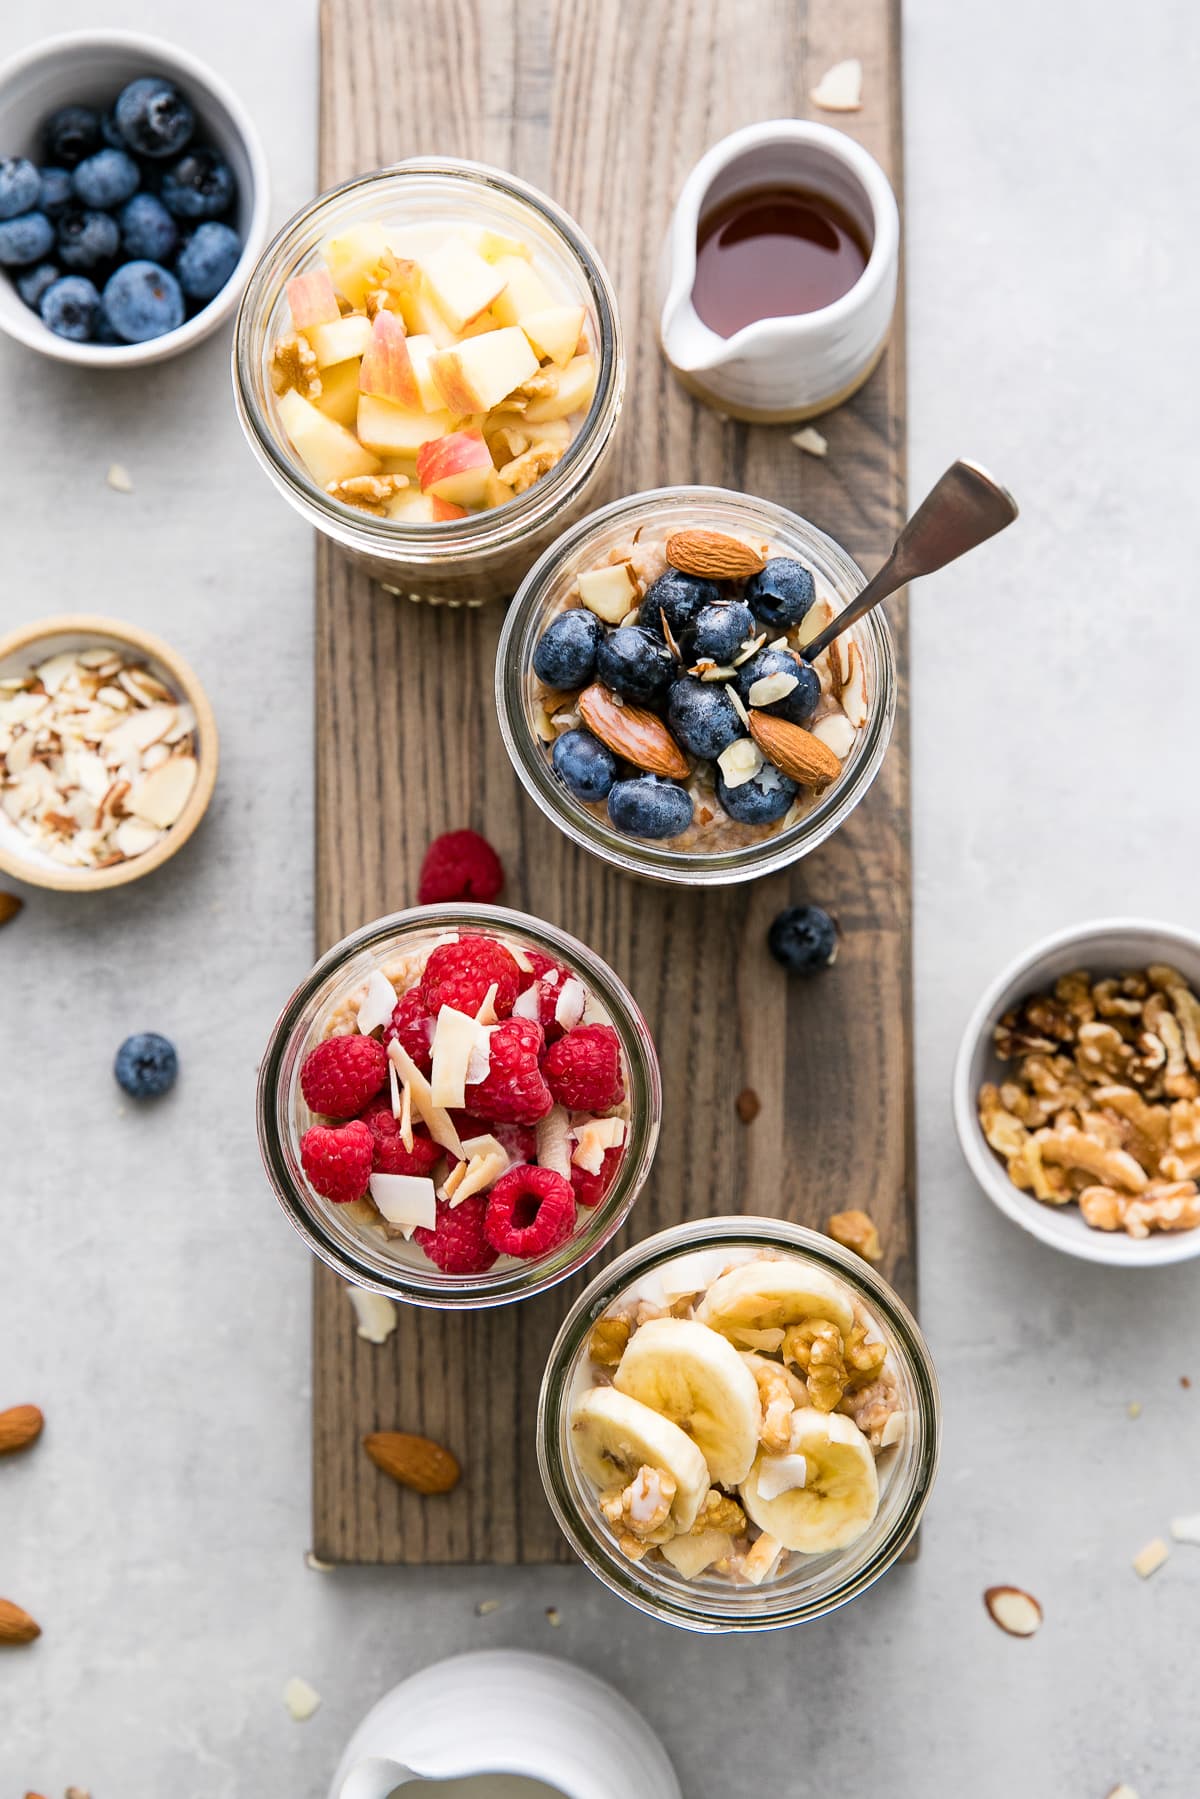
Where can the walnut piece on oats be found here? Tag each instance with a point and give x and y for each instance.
(531, 465)
(608, 1339)
(367, 492)
(642, 1510)
(294, 365)
(719, 1512)
(815, 1345)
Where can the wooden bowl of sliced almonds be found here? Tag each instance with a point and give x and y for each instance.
(108, 753)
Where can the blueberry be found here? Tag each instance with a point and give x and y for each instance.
(34, 282)
(142, 301)
(566, 651)
(648, 806)
(207, 260)
(147, 229)
(86, 240)
(635, 663)
(110, 131)
(107, 178)
(760, 801)
(199, 186)
(20, 186)
(720, 630)
(584, 766)
(677, 598)
(798, 704)
(146, 1065)
(104, 333)
(804, 939)
(702, 717)
(153, 117)
(25, 239)
(71, 308)
(70, 134)
(782, 592)
(56, 192)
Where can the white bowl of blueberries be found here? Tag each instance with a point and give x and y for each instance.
(133, 199)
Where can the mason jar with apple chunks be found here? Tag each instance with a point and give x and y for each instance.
(428, 366)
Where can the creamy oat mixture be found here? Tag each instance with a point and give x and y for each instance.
(735, 1414)
(840, 713)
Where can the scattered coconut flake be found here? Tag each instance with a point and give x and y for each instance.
(1015, 1611)
(486, 1607)
(1186, 1530)
(379, 1002)
(811, 440)
(1121, 1792)
(118, 478)
(376, 1314)
(1134, 1408)
(301, 1699)
(781, 1474)
(553, 1616)
(840, 88)
(1150, 1559)
(312, 1560)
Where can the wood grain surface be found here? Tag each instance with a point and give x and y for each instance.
(607, 104)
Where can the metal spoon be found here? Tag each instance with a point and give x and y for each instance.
(964, 509)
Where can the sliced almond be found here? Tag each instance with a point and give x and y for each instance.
(810, 440)
(715, 554)
(1150, 1559)
(634, 735)
(794, 751)
(768, 689)
(133, 838)
(739, 762)
(164, 792)
(1015, 1611)
(836, 733)
(854, 689)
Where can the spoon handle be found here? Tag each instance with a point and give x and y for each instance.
(963, 509)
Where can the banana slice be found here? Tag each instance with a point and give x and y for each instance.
(840, 1495)
(763, 1295)
(615, 1435)
(697, 1379)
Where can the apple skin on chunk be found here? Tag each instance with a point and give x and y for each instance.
(328, 451)
(444, 509)
(394, 430)
(312, 300)
(461, 282)
(455, 468)
(340, 339)
(413, 508)
(478, 373)
(387, 368)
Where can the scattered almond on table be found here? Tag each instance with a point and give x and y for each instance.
(16, 1625)
(20, 1426)
(748, 1105)
(415, 1462)
(10, 905)
(1016, 1612)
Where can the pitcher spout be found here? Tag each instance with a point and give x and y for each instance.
(687, 342)
(376, 1778)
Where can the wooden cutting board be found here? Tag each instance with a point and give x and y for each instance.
(606, 104)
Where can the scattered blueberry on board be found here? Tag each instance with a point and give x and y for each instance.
(126, 226)
(146, 1065)
(804, 939)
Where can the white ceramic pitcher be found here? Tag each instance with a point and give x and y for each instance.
(503, 1724)
(777, 370)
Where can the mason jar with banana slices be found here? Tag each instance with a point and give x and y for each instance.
(739, 1425)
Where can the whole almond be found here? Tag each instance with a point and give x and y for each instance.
(416, 1462)
(632, 734)
(793, 750)
(715, 554)
(10, 905)
(20, 1426)
(16, 1626)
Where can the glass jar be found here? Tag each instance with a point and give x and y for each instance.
(812, 1584)
(347, 1237)
(542, 594)
(457, 562)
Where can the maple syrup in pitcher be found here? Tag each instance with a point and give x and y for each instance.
(770, 253)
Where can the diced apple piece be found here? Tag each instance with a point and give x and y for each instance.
(524, 291)
(338, 398)
(461, 282)
(394, 430)
(387, 366)
(555, 332)
(576, 385)
(492, 245)
(496, 492)
(312, 299)
(423, 318)
(443, 509)
(421, 351)
(411, 507)
(357, 259)
(340, 339)
(455, 468)
(328, 451)
(477, 375)
(608, 592)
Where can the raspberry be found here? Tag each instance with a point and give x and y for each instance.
(530, 1211)
(457, 1244)
(541, 964)
(513, 1091)
(583, 1069)
(459, 975)
(342, 1074)
(591, 1188)
(519, 1140)
(541, 992)
(460, 865)
(337, 1160)
(390, 1155)
(412, 1027)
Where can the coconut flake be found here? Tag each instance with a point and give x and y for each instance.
(526, 1004)
(300, 1699)
(405, 1200)
(568, 1008)
(781, 1474)
(379, 1002)
(811, 441)
(840, 88)
(375, 1312)
(1186, 1530)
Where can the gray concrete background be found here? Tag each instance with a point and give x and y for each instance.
(153, 1302)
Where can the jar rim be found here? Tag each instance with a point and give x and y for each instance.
(441, 541)
(640, 856)
(502, 1284)
(704, 1610)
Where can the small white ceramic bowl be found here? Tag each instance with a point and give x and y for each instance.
(1106, 946)
(91, 68)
